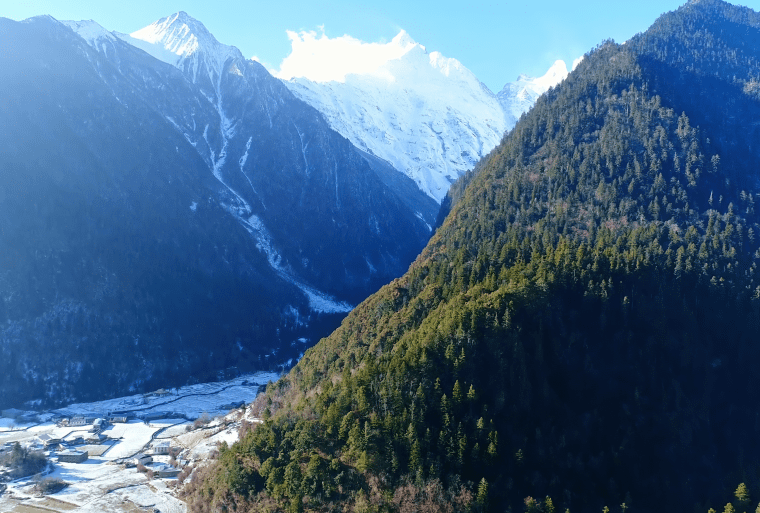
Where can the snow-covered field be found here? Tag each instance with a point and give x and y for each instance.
(191, 401)
(133, 437)
(107, 482)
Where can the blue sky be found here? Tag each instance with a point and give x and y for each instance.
(495, 40)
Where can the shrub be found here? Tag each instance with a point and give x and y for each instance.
(50, 485)
(203, 420)
(183, 475)
(22, 462)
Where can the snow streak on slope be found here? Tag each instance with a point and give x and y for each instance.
(518, 97)
(426, 114)
(185, 43)
(318, 301)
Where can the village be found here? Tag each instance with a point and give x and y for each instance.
(128, 454)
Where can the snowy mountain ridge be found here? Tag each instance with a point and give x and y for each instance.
(91, 31)
(425, 114)
(517, 97)
(184, 42)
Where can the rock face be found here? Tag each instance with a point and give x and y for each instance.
(174, 217)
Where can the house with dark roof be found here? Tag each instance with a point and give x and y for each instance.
(73, 456)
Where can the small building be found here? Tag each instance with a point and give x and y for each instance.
(73, 456)
(161, 447)
(95, 438)
(166, 471)
(143, 459)
(52, 442)
(74, 439)
(120, 420)
(77, 421)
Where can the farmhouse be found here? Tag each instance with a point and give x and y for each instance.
(72, 456)
(74, 439)
(161, 447)
(143, 459)
(95, 438)
(98, 425)
(50, 441)
(77, 421)
(167, 471)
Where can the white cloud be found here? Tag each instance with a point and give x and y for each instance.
(323, 59)
(577, 61)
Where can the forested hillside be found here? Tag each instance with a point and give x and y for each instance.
(580, 333)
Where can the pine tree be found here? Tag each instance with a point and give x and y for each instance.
(742, 495)
(548, 505)
(482, 499)
(457, 393)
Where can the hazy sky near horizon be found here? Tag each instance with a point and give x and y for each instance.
(495, 40)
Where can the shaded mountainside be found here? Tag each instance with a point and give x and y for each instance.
(582, 329)
(154, 229)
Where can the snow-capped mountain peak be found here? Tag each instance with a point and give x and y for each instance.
(404, 40)
(179, 33)
(184, 42)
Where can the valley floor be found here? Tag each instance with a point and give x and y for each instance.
(193, 420)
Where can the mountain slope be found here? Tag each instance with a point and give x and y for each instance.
(161, 222)
(581, 329)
